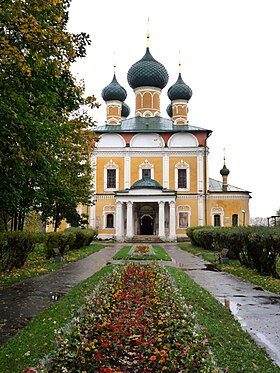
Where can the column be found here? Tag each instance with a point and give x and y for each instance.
(161, 219)
(119, 221)
(172, 221)
(200, 206)
(129, 220)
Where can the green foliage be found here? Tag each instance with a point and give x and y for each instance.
(15, 248)
(255, 247)
(160, 254)
(45, 138)
(83, 237)
(61, 241)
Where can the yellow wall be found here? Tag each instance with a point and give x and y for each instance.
(230, 207)
(100, 164)
(137, 161)
(192, 162)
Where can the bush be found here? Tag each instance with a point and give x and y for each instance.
(254, 247)
(15, 248)
(61, 241)
(84, 237)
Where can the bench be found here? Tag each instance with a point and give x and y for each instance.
(58, 257)
(222, 256)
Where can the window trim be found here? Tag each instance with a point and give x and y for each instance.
(182, 165)
(111, 166)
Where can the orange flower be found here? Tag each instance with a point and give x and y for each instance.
(153, 357)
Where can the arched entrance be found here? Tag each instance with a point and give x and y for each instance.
(146, 225)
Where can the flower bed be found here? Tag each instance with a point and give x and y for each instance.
(135, 321)
(139, 250)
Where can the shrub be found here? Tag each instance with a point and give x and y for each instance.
(84, 237)
(15, 248)
(59, 240)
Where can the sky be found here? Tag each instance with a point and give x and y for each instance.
(229, 52)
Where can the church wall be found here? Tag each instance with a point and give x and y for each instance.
(227, 206)
(137, 161)
(192, 162)
(103, 206)
(101, 164)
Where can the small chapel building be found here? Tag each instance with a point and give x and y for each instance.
(150, 172)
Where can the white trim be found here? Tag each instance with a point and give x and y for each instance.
(217, 211)
(183, 209)
(165, 173)
(111, 166)
(146, 165)
(127, 165)
(182, 165)
(108, 209)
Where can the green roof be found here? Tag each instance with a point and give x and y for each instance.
(149, 124)
(217, 186)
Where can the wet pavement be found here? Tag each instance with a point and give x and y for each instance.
(257, 311)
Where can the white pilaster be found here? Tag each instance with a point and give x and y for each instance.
(172, 221)
(129, 220)
(165, 168)
(92, 221)
(161, 219)
(127, 171)
(119, 220)
(201, 209)
(200, 173)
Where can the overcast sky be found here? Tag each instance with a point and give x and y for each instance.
(230, 56)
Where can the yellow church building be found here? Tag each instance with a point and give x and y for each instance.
(150, 172)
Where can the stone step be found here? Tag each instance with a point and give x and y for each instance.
(144, 238)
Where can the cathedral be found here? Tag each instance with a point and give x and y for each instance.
(150, 172)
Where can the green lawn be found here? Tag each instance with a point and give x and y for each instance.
(266, 282)
(37, 264)
(160, 254)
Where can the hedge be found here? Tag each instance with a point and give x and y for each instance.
(254, 247)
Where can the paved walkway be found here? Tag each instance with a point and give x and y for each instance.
(257, 311)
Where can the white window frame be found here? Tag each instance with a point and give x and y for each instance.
(186, 210)
(109, 209)
(146, 165)
(182, 165)
(217, 211)
(111, 166)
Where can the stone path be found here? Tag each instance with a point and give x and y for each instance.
(257, 311)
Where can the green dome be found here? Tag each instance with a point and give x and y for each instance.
(125, 110)
(147, 72)
(169, 110)
(224, 171)
(114, 91)
(146, 182)
(179, 90)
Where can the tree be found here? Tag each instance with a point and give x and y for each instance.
(43, 132)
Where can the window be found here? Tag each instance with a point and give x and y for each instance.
(217, 220)
(146, 172)
(110, 221)
(183, 219)
(111, 178)
(182, 178)
(235, 220)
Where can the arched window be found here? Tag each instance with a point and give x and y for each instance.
(217, 220)
(235, 220)
(110, 221)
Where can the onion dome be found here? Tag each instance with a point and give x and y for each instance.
(125, 110)
(146, 182)
(169, 110)
(179, 90)
(224, 171)
(114, 91)
(147, 72)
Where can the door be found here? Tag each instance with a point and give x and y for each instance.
(146, 225)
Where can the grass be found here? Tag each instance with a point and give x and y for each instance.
(233, 347)
(37, 264)
(234, 267)
(37, 339)
(160, 254)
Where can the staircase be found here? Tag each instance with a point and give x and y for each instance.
(144, 239)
